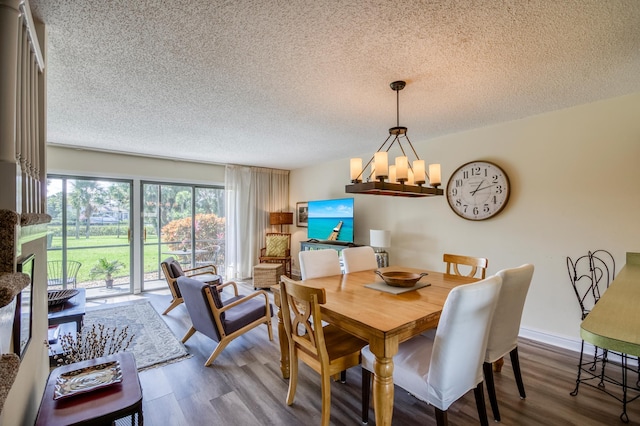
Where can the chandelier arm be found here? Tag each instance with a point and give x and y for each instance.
(371, 160)
(412, 148)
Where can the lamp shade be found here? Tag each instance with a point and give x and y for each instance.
(379, 238)
(281, 218)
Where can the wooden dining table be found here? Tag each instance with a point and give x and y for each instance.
(382, 319)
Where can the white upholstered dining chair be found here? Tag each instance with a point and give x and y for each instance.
(319, 263)
(359, 259)
(505, 326)
(443, 369)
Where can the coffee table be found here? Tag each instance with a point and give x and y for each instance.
(72, 310)
(97, 407)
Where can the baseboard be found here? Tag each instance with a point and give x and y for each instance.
(551, 339)
(563, 342)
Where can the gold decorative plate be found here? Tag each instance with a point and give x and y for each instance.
(87, 379)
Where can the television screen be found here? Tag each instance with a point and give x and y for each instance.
(331, 220)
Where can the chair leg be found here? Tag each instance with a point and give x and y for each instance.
(189, 334)
(343, 376)
(575, 391)
(293, 376)
(174, 303)
(515, 363)
(221, 345)
(441, 417)
(491, 390)
(366, 394)
(326, 399)
(482, 408)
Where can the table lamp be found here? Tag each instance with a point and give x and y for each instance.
(379, 240)
(281, 218)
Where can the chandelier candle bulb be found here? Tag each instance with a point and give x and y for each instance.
(356, 169)
(419, 174)
(434, 175)
(373, 171)
(410, 180)
(402, 166)
(392, 174)
(382, 164)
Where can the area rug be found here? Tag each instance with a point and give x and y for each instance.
(153, 344)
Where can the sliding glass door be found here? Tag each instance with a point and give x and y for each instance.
(89, 237)
(182, 221)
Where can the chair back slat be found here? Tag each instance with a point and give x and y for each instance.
(302, 318)
(476, 264)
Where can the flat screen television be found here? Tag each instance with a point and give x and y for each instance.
(331, 220)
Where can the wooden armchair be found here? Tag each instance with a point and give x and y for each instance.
(172, 271)
(223, 320)
(277, 250)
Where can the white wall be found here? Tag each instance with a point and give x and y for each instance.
(88, 163)
(575, 177)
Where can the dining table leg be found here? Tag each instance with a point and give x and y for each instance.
(383, 379)
(282, 334)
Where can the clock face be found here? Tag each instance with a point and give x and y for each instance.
(478, 190)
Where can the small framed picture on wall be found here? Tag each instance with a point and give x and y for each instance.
(302, 214)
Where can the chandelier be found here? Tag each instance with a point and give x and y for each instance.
(404, 178)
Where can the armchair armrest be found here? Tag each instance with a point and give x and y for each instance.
(227, 284)
(245, 298)
(200, 270)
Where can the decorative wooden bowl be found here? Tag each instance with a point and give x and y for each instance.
(58, 297)
(400, 279)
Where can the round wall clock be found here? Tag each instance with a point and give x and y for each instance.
(478, 190)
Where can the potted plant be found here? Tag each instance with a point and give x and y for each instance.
(106, 268)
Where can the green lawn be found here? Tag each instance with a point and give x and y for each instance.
(88, 250)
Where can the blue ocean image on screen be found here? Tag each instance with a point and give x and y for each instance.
(325, 215)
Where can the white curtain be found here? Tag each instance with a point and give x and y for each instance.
(251, 193)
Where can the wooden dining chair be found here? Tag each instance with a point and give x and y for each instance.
(505, 326)
(327, 350)
(476, 264)
(359, 259)
(319, 263)
(442, 369)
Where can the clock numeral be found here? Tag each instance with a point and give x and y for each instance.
(459, 183)
(494, 179)
(458, 202)
(454, 191)
(476, 210)
(486, 208)
(475, 171)
(465, 174)
(495, 200)
(499, 189)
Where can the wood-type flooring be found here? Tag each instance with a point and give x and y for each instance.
(244, 386)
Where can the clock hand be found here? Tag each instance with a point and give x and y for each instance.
(476, 190)
(480, 189)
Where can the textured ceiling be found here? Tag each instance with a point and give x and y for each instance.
(288, 83)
